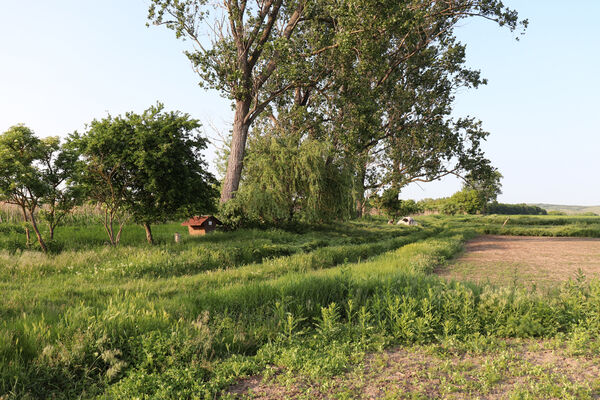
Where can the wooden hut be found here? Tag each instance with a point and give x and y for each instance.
(201, 225)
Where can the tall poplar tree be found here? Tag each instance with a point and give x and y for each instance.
(275, 50)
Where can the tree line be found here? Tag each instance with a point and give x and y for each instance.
(146, 167)
(334, 103)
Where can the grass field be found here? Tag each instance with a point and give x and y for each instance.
(569, 210)
(330, 311)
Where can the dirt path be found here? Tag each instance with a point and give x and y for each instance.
(539, 261)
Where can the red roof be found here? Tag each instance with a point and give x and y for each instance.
(199, 221)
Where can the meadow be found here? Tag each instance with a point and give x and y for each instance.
(318, 311)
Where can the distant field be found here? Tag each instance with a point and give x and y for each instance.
(569, 209)
(347, 310)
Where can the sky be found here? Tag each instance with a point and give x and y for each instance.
(66, 62)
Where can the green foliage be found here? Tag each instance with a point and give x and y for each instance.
(393, 207)
(33, 172)
(377, 82)
(86, 332)
(516, 209)
(58, 168)
(408, 207)
(467, 201)
(471, 201)
(146, 166)
(388, 202)
(287, 180)
(557, 213)
(169, 176)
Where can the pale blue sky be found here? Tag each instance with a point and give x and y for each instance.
(65, 62)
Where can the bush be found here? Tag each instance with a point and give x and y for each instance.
(515, 209)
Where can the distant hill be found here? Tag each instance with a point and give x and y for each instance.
(568, 209)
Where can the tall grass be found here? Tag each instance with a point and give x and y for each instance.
(87, 334)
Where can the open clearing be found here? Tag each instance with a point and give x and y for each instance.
(539, 261)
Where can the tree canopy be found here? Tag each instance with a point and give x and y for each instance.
(147, 166)
(374, 75)
(34, 172)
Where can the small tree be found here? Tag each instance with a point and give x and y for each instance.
(57, 167)
(389, 203)
(101, 171)
(21, 183)
(487, 184)
(408, 207)
(466, 201)
(148, 166)
(169, 177)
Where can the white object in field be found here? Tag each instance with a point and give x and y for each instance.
(407, 221)
(177, 237)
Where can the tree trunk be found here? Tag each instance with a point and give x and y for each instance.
(148, 233)
(360, 190)
(26, 218)
(237, 150)
(38, 235)
(118, 237)
(52, 221)
(108, 226)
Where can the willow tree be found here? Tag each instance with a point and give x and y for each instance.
(293, 178)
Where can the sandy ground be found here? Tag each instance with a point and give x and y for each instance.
(536, 261)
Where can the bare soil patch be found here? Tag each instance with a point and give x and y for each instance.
(539, 261)
(523, 370)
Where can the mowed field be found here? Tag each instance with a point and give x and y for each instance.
(350, 310)
(532, 261)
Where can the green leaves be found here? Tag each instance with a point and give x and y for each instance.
(35, 171)
(148, 166)
(288, 180)
(19, 178)
(372, 76)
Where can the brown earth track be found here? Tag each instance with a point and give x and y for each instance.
(539, 261)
